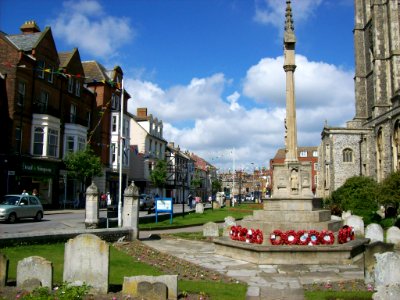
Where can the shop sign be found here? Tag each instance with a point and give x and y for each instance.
(34, 167)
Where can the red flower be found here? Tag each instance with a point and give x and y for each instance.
(326, 237)
(304, 237)
(346, 234)
(277, 237)
(291, 237)
(314, 237)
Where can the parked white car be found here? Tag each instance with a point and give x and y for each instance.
(14, 207)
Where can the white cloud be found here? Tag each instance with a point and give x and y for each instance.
(84, 24)
(197, 118)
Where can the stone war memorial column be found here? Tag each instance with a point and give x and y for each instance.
(92, 207)
(292, 179)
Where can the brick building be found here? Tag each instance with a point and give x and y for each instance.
(370, 143)
(48, 113)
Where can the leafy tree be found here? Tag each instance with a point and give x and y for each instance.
(158, 175)
(83, 165)
(196, 180)
(358, 194)
(389, 190)
(216, 186)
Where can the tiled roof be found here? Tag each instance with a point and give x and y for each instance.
(94, 71)
(25, 42)
(64, 58)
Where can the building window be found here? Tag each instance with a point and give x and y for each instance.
(70, 84)
(115, 102)
(316, 166)
(50, 70)
(315, 153)
(303, 154)
(43, 101)
(38, 141)
(88, 118)
(347, 155)
(114, 124)
(18, 139)
(72, 113)
(70, 144)
(52, 143)
(40, 69)
(81, 143)
(77, 88)
(21, 93)
(113, 153)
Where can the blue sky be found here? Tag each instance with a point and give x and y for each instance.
(211, 70)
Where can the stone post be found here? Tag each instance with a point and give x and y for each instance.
(130, 214)
(92, 207)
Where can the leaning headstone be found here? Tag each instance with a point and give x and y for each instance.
(86, 260)
(374, 232)
(390, 292)
(356, 222)
(210, 229)
(130, 214)
(370, 260)
(132, 285)
(393, 236)
(34, 272)
(92, 207)
(3, 269)
(229, 222)
(387, 270)
(199, 208)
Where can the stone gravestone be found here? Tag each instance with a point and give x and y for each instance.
(387, 270)
(199, 208)
(393, 236)
(220, 198)
(130, 214)
(346, 214)
(229, 222)
(92, 207)
(357, 223)
(210, 229)
(374, 232)
(370, 260)
(86, 260)
(34, 272)
(387, 276)
(141, 286)
(216, 205)
(3, 269)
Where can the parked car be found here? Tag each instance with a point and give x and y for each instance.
(145, 201)
(249, 197)
(14, 207)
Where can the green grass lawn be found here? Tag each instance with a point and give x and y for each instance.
(121, 265)
(193, 219)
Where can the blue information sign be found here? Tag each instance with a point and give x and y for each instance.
(164, 205)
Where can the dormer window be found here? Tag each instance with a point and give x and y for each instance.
(70, 84)
(50, 70)
(40, 69)
(115, 102)
(77, 88)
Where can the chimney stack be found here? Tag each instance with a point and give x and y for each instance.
(29, 27)
(141, 112)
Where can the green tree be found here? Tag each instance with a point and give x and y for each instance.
(216, 186)
(83, 165)
(358, 194)
(389, 190)
(158, 175)
(196, 180)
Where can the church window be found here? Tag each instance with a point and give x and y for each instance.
(347, 155)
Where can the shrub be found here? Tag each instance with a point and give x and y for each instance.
(358, 194)
(389, 190)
